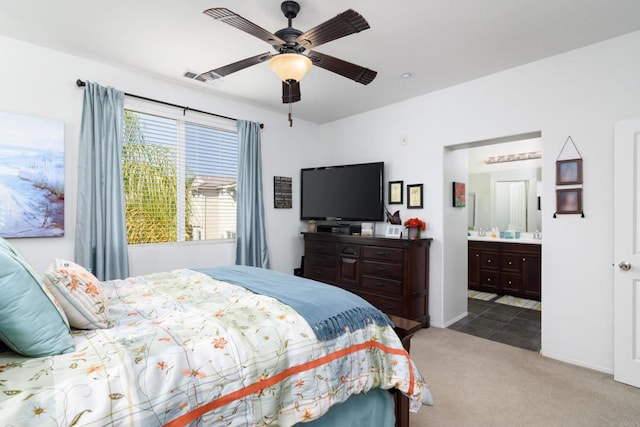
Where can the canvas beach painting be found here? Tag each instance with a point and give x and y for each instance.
(31, 176)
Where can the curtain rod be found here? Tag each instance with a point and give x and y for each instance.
(81, 83)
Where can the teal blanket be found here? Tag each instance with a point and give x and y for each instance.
(328, 309)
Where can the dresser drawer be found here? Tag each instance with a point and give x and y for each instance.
(387, 305)
(382, 269)
(489, 260)
(320, 260)
(378, 253)
(321, 274)
(320, 247)
(382, 286)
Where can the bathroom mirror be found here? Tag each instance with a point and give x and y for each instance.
(510, 205)
(506, 198)
(471, 209)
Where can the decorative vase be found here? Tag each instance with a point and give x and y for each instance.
(414, 233)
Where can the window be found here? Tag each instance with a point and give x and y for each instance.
(180, 175)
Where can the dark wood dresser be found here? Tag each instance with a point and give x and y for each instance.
(392, 274)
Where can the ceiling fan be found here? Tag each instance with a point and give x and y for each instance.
(294, 57)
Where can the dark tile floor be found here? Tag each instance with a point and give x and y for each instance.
(515, 326)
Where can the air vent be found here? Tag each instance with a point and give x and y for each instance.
(194, 76)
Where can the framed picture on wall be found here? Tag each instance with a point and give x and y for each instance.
(282, 192)
(414, 196)
(569, 201)
(569, 172)
(395, 192)
(459, 195)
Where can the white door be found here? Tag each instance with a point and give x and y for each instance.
(626, 299)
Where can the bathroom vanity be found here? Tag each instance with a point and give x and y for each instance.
(505, 266)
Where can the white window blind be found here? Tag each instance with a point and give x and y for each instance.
(180, 175)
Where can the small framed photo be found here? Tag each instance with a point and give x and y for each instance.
(395, 192)
(367, 229)
(569, 201)
(393, 230)
(459, 195)
(569, 172)
(414, 196)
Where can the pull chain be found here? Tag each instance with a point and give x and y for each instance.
(290, 106)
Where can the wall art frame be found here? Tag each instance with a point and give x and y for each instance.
(569, 172)
(414, 196)
(282, 192)
(459, 194)
(31, 176)
(569, 201)
(395, 192)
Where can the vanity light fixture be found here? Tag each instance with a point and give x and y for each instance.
(514, 157)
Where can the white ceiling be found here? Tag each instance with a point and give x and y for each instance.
(441, 42)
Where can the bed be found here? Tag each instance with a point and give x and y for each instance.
(230, 345)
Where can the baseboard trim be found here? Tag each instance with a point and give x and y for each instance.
(577, 363)
(455, 319)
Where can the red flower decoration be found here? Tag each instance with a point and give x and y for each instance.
(415, 223)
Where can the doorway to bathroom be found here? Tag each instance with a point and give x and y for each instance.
(504, 228)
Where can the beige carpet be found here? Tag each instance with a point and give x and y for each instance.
(477, 382)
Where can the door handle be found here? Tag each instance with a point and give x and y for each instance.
(624, 265)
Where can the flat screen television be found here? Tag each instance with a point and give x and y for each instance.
(346, 192)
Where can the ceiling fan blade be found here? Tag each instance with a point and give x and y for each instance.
(346, 69)
(290, 92)
(348, 22)
(235, 20)
(236, 66)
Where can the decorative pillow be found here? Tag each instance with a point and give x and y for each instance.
(31, 322)
(80, 293)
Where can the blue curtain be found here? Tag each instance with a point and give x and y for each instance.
(251, 239)
(101, 235)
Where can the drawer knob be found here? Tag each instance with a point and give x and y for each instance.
(489, 260)
(488, 279)
(381, 253)
(509, 262)
(524, 259)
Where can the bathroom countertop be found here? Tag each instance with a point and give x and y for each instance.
(499, 239)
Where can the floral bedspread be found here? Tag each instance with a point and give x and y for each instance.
(187, 349)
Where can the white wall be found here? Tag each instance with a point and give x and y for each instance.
(41, 82)
(580, 94)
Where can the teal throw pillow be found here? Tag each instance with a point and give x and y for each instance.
(31, 322)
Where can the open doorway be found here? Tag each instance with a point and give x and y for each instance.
(504, 183)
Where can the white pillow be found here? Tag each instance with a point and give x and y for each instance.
(79, 293)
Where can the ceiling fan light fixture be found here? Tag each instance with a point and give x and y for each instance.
(290, 66)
